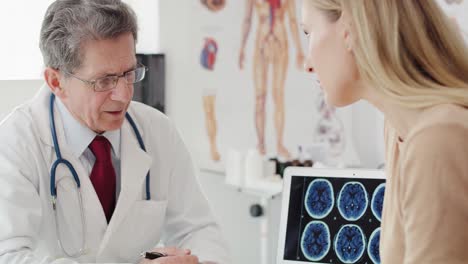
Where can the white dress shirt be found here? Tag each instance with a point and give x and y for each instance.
(78, 138)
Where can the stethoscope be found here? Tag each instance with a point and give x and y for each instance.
(61, 160)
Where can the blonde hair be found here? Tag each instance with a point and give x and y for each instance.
(409, 50)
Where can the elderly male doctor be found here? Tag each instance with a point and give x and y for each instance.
(111, 209)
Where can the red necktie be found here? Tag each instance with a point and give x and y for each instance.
(103, 174)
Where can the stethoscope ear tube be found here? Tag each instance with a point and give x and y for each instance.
(53, 187)
(52, 127)
(60, 160)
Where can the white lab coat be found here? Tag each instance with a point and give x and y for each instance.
(177, 214)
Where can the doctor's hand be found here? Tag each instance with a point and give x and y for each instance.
(174, 256)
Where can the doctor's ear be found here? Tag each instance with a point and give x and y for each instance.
(54, 80)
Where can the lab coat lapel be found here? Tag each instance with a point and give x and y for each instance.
(95, 219)
(40, 106)
(135, 164)
(94, 215)
(40, 111)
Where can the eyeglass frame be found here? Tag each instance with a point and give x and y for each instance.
(92, 83)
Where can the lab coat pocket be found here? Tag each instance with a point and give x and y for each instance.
(141, 229)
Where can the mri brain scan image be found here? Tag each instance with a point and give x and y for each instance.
(377, 201)
(334, 219)
(316, 241)
(352, 201)
(350, 244)
(373, 247)
(319, 198)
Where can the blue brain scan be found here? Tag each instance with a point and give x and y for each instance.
(350, 244)
(373, 247)
(319, 199)
(352, 201)
(316, 241)
(377, 201)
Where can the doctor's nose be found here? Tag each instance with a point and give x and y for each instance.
(123, 91)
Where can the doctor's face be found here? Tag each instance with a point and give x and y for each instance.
(101, 111)
(330, 55)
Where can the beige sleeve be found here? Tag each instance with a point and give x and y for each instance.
(434, 196)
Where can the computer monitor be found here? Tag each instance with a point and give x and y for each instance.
(331, 216)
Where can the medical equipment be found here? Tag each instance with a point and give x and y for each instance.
(60, 160)
(330, 216)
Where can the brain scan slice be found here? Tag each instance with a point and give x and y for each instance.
(319, 198)
(377, 201)
(373, 247)
(352, 201)
(316, 241)
(350, 243)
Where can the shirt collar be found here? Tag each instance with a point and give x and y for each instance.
(78, 136)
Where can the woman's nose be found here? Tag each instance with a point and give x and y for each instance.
(308, 68)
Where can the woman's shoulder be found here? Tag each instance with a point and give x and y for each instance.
(440, 120)
(439, 127)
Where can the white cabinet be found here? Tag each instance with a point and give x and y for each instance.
(245, 235)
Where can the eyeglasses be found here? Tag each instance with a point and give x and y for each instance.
(107, 83)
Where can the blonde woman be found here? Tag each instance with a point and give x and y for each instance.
(408, 60)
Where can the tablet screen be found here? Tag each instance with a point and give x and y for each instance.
(334, 220)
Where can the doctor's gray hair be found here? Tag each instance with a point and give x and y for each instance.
(68, 24)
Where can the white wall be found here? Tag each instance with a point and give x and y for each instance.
(20, 23)
(13, 93)
(368, 134)
(175, 44)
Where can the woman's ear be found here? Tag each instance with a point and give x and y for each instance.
(348, 41)
(347, 32)
(54, 80)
